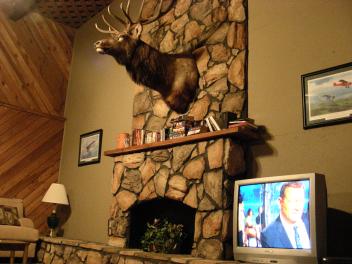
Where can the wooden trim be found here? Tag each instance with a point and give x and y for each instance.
(20, 109)
(241, 133)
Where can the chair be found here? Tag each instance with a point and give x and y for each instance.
(24, 232)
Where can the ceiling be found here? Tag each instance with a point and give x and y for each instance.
(72, 13)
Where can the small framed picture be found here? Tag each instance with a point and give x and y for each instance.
(90, 147)
(327, 96)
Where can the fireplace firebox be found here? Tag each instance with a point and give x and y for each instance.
(173, 211)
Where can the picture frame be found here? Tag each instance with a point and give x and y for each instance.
(90, 147)
(327, 96)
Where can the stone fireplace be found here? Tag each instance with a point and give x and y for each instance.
(199, 174)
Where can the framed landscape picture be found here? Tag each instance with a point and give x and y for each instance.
(90, 147)
(327, 96)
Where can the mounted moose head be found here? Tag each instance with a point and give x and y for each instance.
(174, 76)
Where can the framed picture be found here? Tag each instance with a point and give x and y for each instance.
(90, 147)
(327, 96)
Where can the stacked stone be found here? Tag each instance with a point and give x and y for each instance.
(199, 175)
(61, 250)
(215, 31)
(56, 250)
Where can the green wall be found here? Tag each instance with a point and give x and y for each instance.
(286, 39)
(100, 96)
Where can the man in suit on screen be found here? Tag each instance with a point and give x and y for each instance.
(291, 228)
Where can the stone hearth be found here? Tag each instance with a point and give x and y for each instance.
(63, 250)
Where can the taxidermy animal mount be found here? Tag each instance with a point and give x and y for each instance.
(174, 76)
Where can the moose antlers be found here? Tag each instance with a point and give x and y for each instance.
(175, 77)
(127, 25)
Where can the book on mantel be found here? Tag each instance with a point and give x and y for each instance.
(242, 123)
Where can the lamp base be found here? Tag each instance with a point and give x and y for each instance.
(53, 223)
(52, 232)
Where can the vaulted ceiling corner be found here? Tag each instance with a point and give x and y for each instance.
(72, 13)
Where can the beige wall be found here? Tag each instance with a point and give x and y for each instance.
(286, 39)
(100, 95)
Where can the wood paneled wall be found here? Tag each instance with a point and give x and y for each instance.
(35, 56)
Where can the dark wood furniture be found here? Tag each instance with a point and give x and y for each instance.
(14, 245)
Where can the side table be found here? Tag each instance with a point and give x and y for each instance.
(12, 246)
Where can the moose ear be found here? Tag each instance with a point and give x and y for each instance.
(136, 31)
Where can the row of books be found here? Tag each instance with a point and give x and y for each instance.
(186, 125)
(181, 125)
(244, 123)
(179, 128)
(142, 136)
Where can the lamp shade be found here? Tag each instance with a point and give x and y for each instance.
(56, 194)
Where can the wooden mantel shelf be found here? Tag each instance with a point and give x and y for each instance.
(241, 133)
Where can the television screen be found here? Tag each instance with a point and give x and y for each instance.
(280, 219)
(274, 215)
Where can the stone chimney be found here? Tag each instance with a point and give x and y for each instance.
(201, 174)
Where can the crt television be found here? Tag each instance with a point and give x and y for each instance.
(280, 219)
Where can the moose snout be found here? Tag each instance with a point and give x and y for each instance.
(99, 46)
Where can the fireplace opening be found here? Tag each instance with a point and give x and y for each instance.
(174, 211)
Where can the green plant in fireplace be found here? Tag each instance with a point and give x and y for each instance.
(162, 236)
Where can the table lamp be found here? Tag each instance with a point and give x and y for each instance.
(55, 194)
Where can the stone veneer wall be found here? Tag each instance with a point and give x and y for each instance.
(201, 174)
(219, 28)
